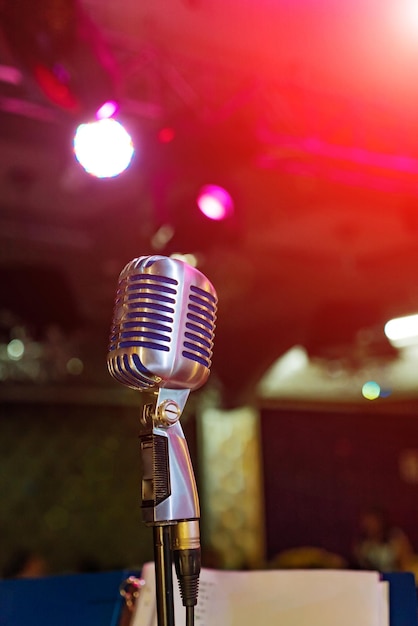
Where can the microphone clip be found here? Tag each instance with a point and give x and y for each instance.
(169, 491)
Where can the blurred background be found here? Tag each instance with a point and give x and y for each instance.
(275, 147)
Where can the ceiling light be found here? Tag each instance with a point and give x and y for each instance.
(104, 148)
(402, 331)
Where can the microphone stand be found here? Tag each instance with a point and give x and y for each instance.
(163, 575)
(170, 502)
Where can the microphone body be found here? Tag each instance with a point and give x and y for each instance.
(161, 342)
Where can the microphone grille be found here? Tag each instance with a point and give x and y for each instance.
(144, 310)
(199, 326)
(163, 325)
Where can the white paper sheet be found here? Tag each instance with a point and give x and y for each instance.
(288, 598)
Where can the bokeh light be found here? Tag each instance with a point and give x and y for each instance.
(371, 390)
(107, 110)
(189, 258)
(75, 366)
(166, 134)
(215, 202)
(104, 148)
(15, 349)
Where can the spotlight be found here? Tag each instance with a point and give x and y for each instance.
(104, 148)
(215, 202)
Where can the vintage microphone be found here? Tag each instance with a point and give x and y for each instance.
(161, 342)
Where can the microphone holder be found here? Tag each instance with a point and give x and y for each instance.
(169, 492)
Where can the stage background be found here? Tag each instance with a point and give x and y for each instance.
(70, 480)
(322, 469)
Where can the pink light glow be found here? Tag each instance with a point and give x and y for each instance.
(107, 110)
(405, 16)
(215, 202)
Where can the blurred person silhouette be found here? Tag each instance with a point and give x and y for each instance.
(379, 545)
(307, 557)
(25, 563)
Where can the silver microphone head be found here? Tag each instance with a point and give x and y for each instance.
(163, 325)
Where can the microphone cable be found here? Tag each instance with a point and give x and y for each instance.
(187, 561)
(189, 615)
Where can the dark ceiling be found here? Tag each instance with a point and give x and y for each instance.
(307, 114)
